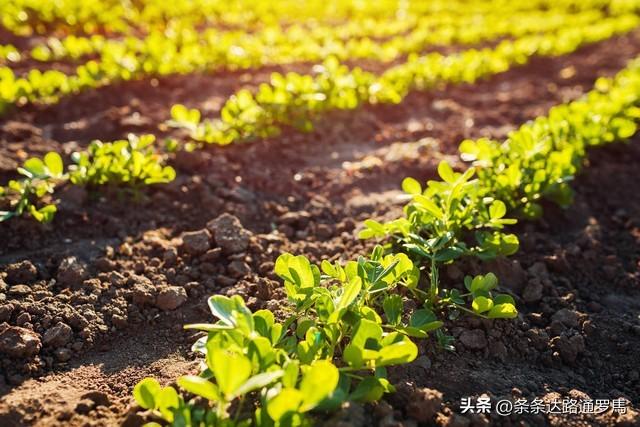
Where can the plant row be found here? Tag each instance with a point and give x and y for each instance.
(294, 100)
(187, 50)
(297, 43)
(345, 324)
(52, 17)
(126, 165)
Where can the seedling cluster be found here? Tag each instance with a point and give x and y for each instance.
(345, 324)
(295, 100)
(127, 164)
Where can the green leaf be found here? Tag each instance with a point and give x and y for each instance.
(54, 164)
(412, 331)
(369, 389)
(35, 166)
(166, 401)
(375, 226)
(422, 317)
(232, 312)
(497, 209)
(392, 306)
(285, 402)
(481, 304)
(296, 270)
(44, 214)
(291, 371)
(230, 369)
(367, 333)
(259, 381)
(145, 391)
(404, 351)
(328, 268)
(411, 186)
(503, 299)
(503, 311)
(367, 337)
(428, 205)
(445, 172)
(199, 386)
(350, 293)
(318, 382)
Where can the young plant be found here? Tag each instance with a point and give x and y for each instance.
(28, 195)
(333, 346)
(128, 163)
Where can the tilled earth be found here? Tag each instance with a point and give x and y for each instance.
(94, 302)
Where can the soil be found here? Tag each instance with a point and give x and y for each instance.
(95, 301)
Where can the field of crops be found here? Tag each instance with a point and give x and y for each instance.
(319, 213)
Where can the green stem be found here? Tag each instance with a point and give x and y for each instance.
(433, 279)
(460, 307)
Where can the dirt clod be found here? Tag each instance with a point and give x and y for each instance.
(171, 298)
(71, 272)
(196, 242)
(21, 272)
(424, 404)
(58, 335)
(474, 339)
(229, 233)
(18, 342)
(567, 317)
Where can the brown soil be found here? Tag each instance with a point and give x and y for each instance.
(98, 287)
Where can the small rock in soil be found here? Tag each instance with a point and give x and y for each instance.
(454, 420)
(569, 348)
(557, 263)
(21, 272)
(104, 264)
(18, 342)
(567, 317)
(117, 279)
(62, 354)
(297, 220)
(98, 397)
(473, 339)
(238, 269)
(225, 281)
(196, 242)
(212, 255)
(118, 321)
(533, 291)
(538, 270)
(19, 291)
(424, 362)
(58, 335)
(23, 318)
(229, 234)
(143, 291)
(170, 257)
(5, 312)
(84, 406)
(171, 298)
(325, 231)
(71, 272)
(424, 404)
